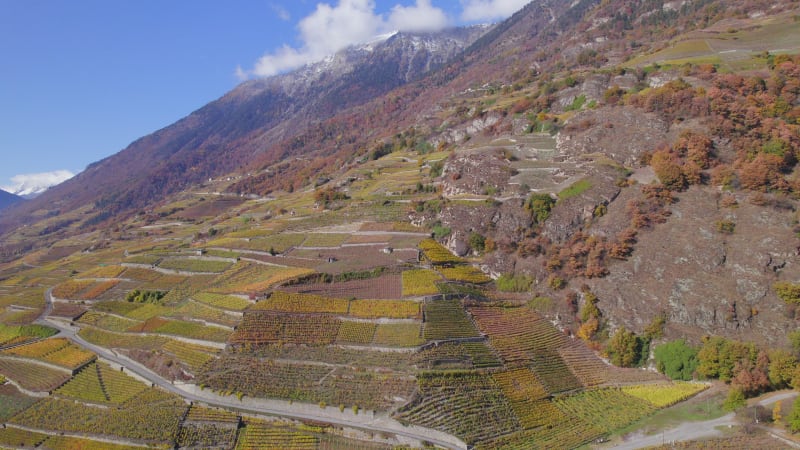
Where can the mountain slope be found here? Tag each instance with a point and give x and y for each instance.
(551, 67)
(227, 133)
(616, 203)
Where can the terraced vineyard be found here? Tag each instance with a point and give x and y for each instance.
(518, 334)
(274, 328)
(15, 437)
(107, 321)
(19, 334)
(607, 409)
(436, 253)
(379, 321)
(278, 243)
(419, 282)
(191, 310)
(112, 271)
(356, 333)
(467, 274)
(467, 404)
(12, 401)
(194, 356)
(208, 428)
(229, 302)
(98, 383)
(312, 383)
(195, 265)
(191, 330)
(386, 286)
(662, 396)
(489, 375)
(257, 437)
(458, 355)
(302, 303)
(446, 319)
(366, 309)
(151, 416)
(72, 443)
(122, 340)
(246, 278)
(393, 309)
(71, 289)
(55, 351)
(398, 335)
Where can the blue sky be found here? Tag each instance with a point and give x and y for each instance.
(81, 79)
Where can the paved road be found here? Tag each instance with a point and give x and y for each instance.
(774, 398)
(685, 432)
(381, 425)
(690, 431)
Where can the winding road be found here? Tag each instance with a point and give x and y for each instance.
(691, 431)
(378, 424)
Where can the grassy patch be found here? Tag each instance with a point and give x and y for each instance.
(694, 410)
(575, 189)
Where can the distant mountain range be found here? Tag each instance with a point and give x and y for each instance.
(34, 184)
(28, 192)
(7, 199)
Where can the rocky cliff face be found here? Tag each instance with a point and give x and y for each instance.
(709, 281)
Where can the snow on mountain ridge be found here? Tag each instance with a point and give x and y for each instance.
(33, 184)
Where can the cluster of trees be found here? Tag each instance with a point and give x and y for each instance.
(757, 115)
(627, 349)
(681, 164)
(329, 195)
(749, 370)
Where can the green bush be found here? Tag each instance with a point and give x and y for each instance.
(575, 189)
(477, 242)
(440, 232)
(137, 296)
(676, 359)
(625, 349)
(794, 417)
(735, 400)
(514, 283)
(788, 292)
(540, 206)
(726, 226)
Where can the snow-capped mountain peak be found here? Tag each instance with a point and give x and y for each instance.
(32, 184)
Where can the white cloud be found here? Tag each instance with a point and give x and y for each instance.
(36, 183)
(481, 10)
(420, 17)
(240, 73)
(281, 12)
(331, 28)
